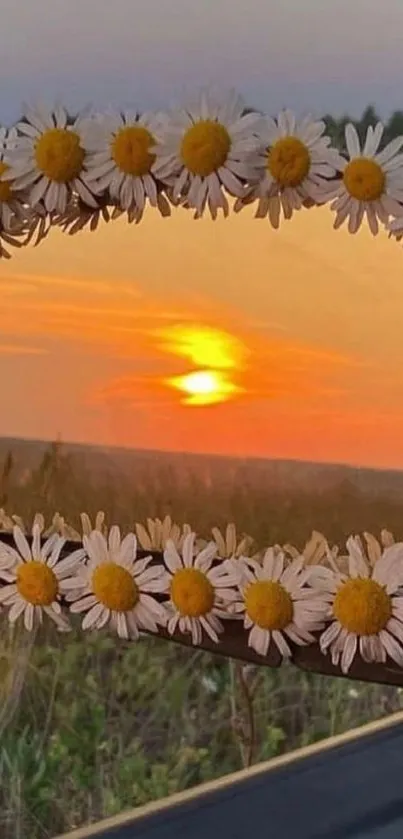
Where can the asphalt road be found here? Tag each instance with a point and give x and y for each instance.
(351, 790)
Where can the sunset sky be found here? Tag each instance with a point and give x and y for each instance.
(103, 336)
(306, 323)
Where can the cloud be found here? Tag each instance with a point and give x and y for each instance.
(87, 314)
(20, 349)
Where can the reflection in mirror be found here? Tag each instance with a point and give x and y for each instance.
(213, 374)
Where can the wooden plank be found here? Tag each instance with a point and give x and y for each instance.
(349, 786)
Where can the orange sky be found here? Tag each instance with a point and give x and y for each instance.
(304, 325)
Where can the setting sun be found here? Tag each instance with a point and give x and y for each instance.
(204, 387)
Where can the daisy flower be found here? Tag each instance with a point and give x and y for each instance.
(206, 147)
(34, 581)
(372, 181)
(49, 158)
(228, 545)
(365, 607)
(13, 210)
(198, 592)
(277, 604)
(114, 587)
(122, 160)
(8, 138)
(297, 164)
(157, 533)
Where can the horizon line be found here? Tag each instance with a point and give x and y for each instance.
(215, 455)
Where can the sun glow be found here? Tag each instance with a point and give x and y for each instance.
(204, 346)
(204, 387)
(216, 352)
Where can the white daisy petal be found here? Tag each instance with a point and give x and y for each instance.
(16, 610)
(29, 617)
(171, 557)
(22, 544)
(373, 139)
(92, 616)
(69, 563)
(84, 604)
(205, 557)
(122, 627)
(209, 629)
(132, 626)
(281, 643)
(188, 550)
(392, 647)
(259, 640)
(36, 543)
(349, 651)
(357, 563)
(8, 593)
(390, 151)
(352, 141)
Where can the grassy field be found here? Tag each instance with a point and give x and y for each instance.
(91, 728)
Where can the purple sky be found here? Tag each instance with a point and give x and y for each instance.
(319, 55)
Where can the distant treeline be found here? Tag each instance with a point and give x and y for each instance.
(335, 127)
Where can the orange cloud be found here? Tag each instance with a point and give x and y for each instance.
(16, 349)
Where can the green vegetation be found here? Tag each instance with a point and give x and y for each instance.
(335, 127)
(90, 728)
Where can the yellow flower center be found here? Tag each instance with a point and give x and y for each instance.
(5, 186)
(114, 587)
(37, 583)
(131, 150)
(362, 606)
(205, 147)
(192, 592)
(59, 155)
(289, 161)
(269, 605)
(364, 179)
